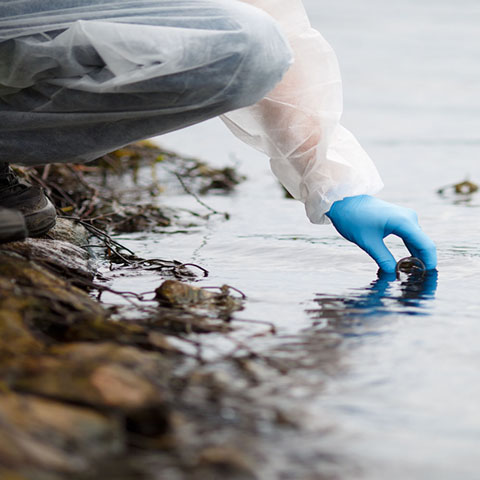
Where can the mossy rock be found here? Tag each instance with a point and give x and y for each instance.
(57, 256)
(35, 304)
(36, 432)
(103, 375)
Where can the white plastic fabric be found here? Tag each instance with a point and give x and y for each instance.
(298, 123)
(79, 78)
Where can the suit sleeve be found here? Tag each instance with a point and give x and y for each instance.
(298, 123)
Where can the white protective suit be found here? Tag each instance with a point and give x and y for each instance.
(79, 78)
(298, 123)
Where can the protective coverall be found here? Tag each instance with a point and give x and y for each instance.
(79, 78)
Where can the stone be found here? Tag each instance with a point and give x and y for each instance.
(67, 230)
(51, 435)
(57, 256)
(103, 375)
(34, 298)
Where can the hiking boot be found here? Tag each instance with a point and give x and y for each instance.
(12, 226)
(15, 194)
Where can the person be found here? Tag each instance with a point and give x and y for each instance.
(80, 78)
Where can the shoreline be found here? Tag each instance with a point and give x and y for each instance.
(87, 393)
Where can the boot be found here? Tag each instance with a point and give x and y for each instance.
(36, 208)
(12, 226)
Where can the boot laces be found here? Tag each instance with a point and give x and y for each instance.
(9, 180)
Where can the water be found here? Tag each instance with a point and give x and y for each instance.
(388, 374)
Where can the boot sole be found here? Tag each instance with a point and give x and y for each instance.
(13, 229)
(41, 221)
(13, 236)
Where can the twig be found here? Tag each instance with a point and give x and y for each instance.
(226, 215)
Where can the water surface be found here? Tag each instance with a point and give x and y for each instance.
(387, 373)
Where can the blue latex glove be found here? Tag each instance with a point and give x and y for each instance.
(366, 221)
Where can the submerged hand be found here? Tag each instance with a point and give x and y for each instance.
(366, 221)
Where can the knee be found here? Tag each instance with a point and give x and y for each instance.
(264, 55)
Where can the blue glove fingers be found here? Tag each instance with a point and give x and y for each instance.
(381, 254)
(365, 221)
(418, 244)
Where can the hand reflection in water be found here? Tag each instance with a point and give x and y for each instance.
(415, 289)
(388, 294)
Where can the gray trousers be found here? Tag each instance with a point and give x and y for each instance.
(79, 78)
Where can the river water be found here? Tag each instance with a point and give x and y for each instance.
(386, 372)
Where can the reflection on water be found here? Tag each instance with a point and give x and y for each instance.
(307, 367)
(387, 295)
(392, 365)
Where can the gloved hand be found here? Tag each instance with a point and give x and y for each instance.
(366, 221)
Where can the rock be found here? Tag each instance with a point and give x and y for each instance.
(15, 338)
(34, 298)
(184, 308)
(70, 231)
(51, 435)
(225, 462)
(177, 294)
(466, 187)
(176, 321)
(8, 474)
(63, 258)
(207, 302)
(102, 375)
(103, 329)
